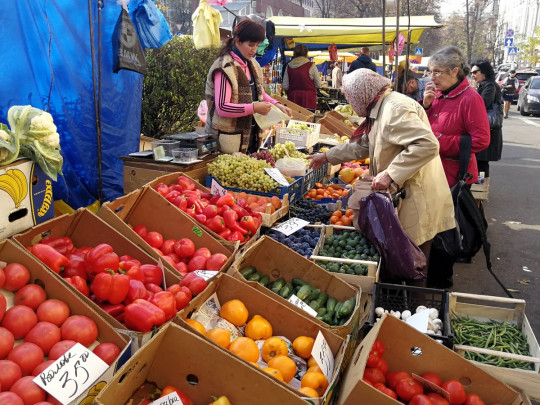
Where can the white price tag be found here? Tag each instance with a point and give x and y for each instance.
(168, 399)
(70, 375)
(323, 356)
(276, 175)
(291, 226)
(301, 304)
(419, 321)
(216, 189)
(159, 153)
(206, 274)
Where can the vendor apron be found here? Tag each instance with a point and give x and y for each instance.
(302, 90)
(253, 144)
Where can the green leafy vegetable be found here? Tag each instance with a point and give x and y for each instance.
(9, 145)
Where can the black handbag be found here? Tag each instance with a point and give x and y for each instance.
(495, 116)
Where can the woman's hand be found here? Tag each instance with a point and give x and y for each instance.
(429, 95)
(262, 107)
(285, 109)
(381, 181)
(317, 160)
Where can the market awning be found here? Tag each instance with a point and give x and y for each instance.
(350, 31)
(322, 56)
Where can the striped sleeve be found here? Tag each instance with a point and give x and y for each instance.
(223, 92)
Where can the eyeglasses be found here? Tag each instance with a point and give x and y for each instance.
(475, 71)
(436, 73)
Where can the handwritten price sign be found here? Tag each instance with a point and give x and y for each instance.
(70, 375)
(168, 399)
(291, 226)
(206, 274)
(276, 175)
(301, 304)
(215, 188)
(323, 356)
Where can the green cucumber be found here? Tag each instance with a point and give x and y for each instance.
(278, 285)
(314, 294)
(304, 292)
(264, 281)
(328, 317)
(248, 271)
(255, 276)
(298, 282)
(331, 304)
(322, 298)
(321, 312)
(314, 305)
(346, 310)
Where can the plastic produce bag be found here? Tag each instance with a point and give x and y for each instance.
(151, 25)
(202, 111)
(402, 259)
(127, 50)
(273, 117)
(291, 166)
(206, 22)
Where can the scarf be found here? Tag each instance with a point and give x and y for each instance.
(365, 126)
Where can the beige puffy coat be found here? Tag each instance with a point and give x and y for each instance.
(402, 143)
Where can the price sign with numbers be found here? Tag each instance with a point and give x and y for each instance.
(215, 188)
(291, 226)
(301, 304)
(323, 356)
(168, 399)
(276, 175)
(206, 274)
(70, 375)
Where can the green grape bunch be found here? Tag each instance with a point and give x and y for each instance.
(288, 149)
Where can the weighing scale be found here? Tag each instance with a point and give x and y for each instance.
(205, 143)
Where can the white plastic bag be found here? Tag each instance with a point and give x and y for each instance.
(291, 166)
(273, 117)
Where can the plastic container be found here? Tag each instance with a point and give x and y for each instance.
(163, 149)
(303, 138)
(185, 155)
(291, 167)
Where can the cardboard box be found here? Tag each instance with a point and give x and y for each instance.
(298, 113)
(277, 260)
(144, 207)
(26, 197)
(11, 252)
(411, 351)
(286, 321)
(87, 229)
(183, 359)
(335, 126)
(501, 309)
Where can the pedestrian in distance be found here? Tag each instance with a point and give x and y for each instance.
(302, 79)
(337, 76)
(509, 86)
(363, 62)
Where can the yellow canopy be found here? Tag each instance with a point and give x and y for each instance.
(350, 31)
(322, 56)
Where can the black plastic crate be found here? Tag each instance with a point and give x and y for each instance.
(397, 297)
(312, 177)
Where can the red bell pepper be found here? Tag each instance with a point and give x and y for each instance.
(248, 223)
(216, 224)
(62, 244)
(101, 258)
(201, 218)
(111, 287)
(171, 195)
(240, 211)
(186, 183)
(173, 288)
(182, 297)
(227, 199)
(233, 237)
(113, 310)
(222, 210)
(165, 300)
(225, 234)
(214, 199)
(181, 202)
(76, 267)
(241, 202)
(126, 263)
(153, 288)
(152, 274)
(230, 218)
(191, 211)
(136, 290)
(78, 283)
(257, 218)
(196, 202)
(195, 283)
(210, 211)
(135, 273)
(142, 316)
(48, 255)
(239, 228)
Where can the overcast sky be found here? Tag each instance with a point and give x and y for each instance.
(449, 7)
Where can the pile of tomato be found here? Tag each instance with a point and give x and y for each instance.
(122, 286)
(232, 219)
(401, 385)
(48, 329)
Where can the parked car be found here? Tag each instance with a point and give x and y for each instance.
(522, 76)
(529, 97)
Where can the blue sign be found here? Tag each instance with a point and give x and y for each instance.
(509, 41)
(512, 51)
(418, 51)
(509, 32)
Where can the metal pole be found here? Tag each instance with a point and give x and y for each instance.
(383, 36)
(398, 11)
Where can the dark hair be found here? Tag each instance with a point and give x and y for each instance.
(300, 50)
(485, 67)
(511, 71)
(245, 30)
(449, 58)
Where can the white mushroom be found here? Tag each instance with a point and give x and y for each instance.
(379, 311)
(433, 313)
(420, 308)
(405, 314)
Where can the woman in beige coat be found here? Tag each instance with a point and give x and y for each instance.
(397, 137)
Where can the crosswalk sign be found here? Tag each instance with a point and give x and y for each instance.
(418, 51)
(512, 51)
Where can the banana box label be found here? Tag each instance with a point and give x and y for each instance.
(26, 197)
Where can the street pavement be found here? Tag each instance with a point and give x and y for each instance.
(513, 217)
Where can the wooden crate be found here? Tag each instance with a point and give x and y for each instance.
(500, 309)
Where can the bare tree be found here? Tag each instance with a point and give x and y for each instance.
(325, 8)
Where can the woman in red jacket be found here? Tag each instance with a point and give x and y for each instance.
(301, 79)
(454, 110)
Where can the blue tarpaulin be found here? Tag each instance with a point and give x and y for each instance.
(47, 62)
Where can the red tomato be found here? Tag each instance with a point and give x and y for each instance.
(216, 261)
(381, 365)
(53, 311)
(420, 400)
(31, 295)
(184, 247)
(141, 230)
(378, 348)
(408, 388)
(181, 267)
(9, 373)
(437, 399)
(183, 397)
(6, 343)
(80, 329)
(19, 320)
(3, 306)
(42, 367)
(374, 375)
(372, 360)
(10, 398)
(16, 276)
(60, 348)
(162, 189)
(367, 381)
(108, 352)
(203, 252)
(168, 246)
(197, 263)
(473, 399)
(2, 278)
(434, 378)
(45, 335)
(385, 390)
(456, 391)
(154, 239)
(392, 378)
(28, 390)
(28, 356)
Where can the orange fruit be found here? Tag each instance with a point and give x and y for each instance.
(221, 336)
(314, 369)
(358, 172)
(316, 381)
(253, 206)
(338, 223)
(273, 372)
(309, 392)
(311, 362)
(346, 220)
(263, 201)
(320, 191)
(273, 347)
(347, 175)
(285, 365)
(333, 219)
(303, 345)
(199, 327)
(337, 214)
(258, 328)
(349, 212)
(276, 202)
(252, 199)
(242, 195)
(235, 312)
(245, 348)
